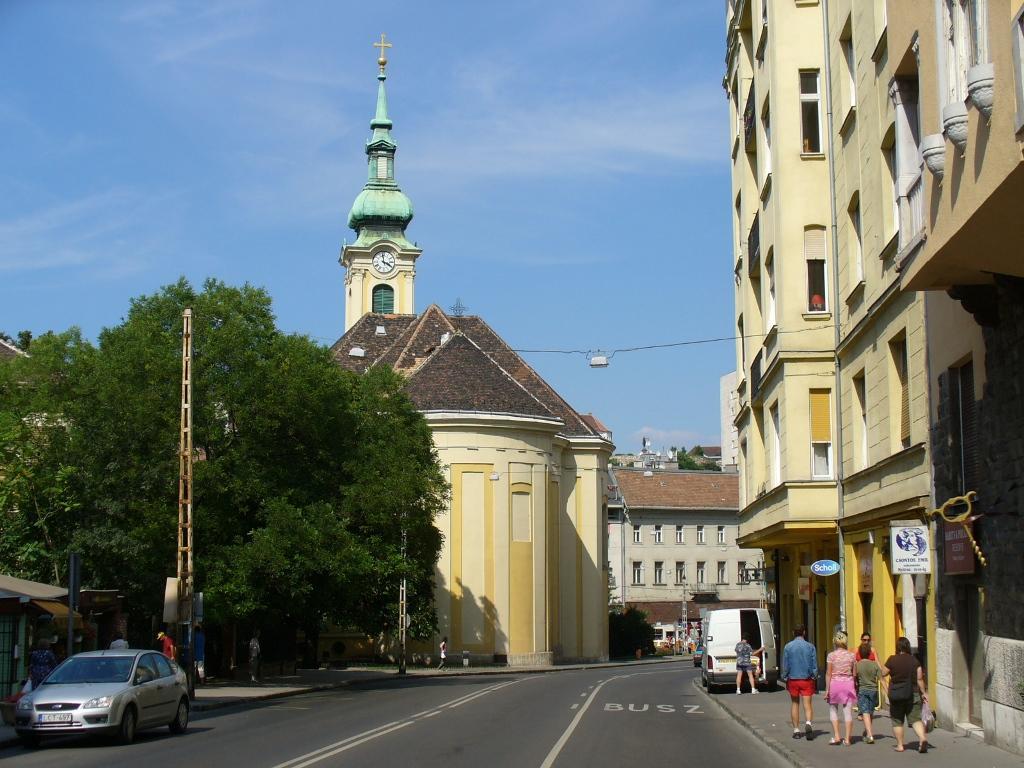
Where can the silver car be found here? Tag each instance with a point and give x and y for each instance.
(109, 692)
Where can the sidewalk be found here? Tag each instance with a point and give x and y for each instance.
(767, 717)
(227, 693)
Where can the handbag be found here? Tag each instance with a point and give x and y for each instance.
(901, 690)
(927, 716)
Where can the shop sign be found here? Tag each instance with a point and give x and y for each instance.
(803, 588)
(909, 547)
(865, 566)
(825, 568)
(958, 554)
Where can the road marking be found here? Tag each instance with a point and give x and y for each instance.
(555, 750)
(582, 695)
(575, 706)
(302, 761)
(282, 706)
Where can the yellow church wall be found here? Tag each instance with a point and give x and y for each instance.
(472, 558)
(521, 592)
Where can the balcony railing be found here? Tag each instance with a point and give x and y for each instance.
(755, 375)
(754, 246)
(749, 122)
(912, 211)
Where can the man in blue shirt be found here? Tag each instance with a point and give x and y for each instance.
(800, 671)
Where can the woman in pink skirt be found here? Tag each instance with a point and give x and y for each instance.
(840, 691)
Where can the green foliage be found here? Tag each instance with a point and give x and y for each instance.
(310, 472)
(694, 459)
(628, 631)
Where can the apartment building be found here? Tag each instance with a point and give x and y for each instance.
(785, 299)
(960, 64)
(672, 547)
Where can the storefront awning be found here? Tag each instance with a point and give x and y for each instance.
(59, 611)
(788, 532)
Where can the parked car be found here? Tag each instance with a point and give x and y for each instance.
(698, 655)
(105, 692)
(721, 632)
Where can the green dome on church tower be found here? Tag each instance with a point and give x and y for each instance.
(381, 205)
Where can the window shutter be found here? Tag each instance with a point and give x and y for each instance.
(904, 397)
(821, 417)
(814, 243)
(383, 299)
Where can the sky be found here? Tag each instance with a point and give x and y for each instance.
(567, 160)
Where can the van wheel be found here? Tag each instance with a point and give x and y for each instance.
(180, 721)
(126, 731)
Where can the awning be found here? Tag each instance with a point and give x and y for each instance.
(59, 611)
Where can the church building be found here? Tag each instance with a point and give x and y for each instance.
(522, 576)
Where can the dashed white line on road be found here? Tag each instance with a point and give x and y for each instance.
(553, 754)
(575, 706)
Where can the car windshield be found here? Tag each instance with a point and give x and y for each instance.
(115, 669)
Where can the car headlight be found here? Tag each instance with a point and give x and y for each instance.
(98, 703)
(25, 704)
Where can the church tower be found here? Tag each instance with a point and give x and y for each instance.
(380, 266)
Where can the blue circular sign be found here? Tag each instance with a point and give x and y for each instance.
(825, 568)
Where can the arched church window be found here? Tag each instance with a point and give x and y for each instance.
(383, 299)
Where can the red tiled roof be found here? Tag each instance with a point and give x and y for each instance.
(8, 351)
(678, 490)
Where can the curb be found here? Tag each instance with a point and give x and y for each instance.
(392, 676)
(774, 744)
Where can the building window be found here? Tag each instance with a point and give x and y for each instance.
(680, 572)
(856, 242)
(814, 255)
(850, 65)
(700, 571)
(721, 572)
(659, 572)
(700, 534)
(776, 446)
(657, 535)
(680, 536)
(810, 112)
(821, 433)
(860, 392)
(1018, 64)
(965, 27)
(766, 126)
(742, 342)
(383, 299)
(721, 534)
(963, 426)
(636, 534)
(900, 392)
(769, 309)
(741, 572)
(638, 572)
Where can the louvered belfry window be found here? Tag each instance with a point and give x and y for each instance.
(821, 433)
(383, 299)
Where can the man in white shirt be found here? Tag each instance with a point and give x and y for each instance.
(119, 642)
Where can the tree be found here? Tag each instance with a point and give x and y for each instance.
(310, 472)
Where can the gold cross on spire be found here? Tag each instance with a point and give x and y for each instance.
(382, 61)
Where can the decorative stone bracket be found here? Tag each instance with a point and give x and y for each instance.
(980, 85)
(933, 150)
(955, 125)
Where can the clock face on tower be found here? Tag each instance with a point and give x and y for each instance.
(384, 262)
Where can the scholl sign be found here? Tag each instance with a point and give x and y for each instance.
(825, 568)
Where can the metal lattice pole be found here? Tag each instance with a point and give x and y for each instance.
(184, 556)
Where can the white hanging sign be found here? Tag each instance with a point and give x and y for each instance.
(909, 547)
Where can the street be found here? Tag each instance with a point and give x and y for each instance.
(611, 716)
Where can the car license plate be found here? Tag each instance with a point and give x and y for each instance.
(55, 717)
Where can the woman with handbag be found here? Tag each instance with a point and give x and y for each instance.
(907, 692)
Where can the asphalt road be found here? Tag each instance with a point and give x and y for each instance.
(601, 717)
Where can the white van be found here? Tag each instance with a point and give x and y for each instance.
(722, 630)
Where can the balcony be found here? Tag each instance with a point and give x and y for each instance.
(754, 247)
(911, 207)
(755, 376)
(750, 122)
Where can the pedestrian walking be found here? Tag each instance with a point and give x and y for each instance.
(800, 673)
(41, 663)
(167, 645)
(444, 652)
(255, 656)
(907, 692)
(118, 642)
(840, 689)
(869, 673)
(865, 641)
(199, 652)
(744, 663)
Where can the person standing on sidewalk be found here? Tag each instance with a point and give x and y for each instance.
(906, 681)
(868, 675)
(800, 673)
(840, 691)
(41, 663)
(444, 652)
(745, 664)
(255, 656)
